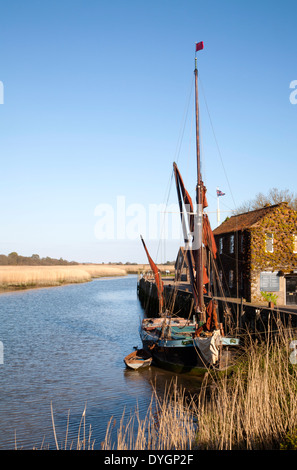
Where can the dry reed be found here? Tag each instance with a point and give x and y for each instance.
(168, 424)
(83, 442)
(21, 277)
(255, 408)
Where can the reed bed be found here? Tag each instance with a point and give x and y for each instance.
(254, 409)
(38, 276)
(22, 277)
(168, 424)
(257, 408)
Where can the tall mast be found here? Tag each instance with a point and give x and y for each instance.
(199, 199)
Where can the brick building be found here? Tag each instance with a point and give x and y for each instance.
(257, 251)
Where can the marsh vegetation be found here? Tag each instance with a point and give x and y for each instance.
(23, 277)
(253, 409)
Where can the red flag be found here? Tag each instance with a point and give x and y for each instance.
(199, 46)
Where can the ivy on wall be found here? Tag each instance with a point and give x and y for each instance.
(283, 225)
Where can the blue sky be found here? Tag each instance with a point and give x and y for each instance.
(95, 94)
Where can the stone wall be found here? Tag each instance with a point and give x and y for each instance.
(256, 296)
(282, 260)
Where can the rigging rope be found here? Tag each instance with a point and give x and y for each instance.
(176, 158)
(216, 141)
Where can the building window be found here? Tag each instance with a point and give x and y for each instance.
(241, 243)
(231, 278)
(269, 243)
(221, 245)
(232, 244)
(221, 276)
(294, 243)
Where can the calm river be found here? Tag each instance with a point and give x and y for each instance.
(66, 346)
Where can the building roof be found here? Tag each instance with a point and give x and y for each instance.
(246, 220)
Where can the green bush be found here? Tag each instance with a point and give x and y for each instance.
(290, 442)
(269, 296)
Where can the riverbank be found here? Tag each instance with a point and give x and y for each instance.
(28, 277)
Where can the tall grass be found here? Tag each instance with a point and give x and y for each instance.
(13, 277)
(255, 408)
(84, 439)
(168, 424)
(19, 276)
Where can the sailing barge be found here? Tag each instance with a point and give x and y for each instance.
(199, 344)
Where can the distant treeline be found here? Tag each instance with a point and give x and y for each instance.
(14, 259)
(128, 263)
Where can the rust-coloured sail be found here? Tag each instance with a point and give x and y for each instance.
(205, 276)
(208, 238)
(204, 200)
(186, 196)
(158, 279)
(211, 321)
(183, 195)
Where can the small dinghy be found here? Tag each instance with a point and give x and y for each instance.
(138, 359)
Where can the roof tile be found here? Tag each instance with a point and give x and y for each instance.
(244, 221)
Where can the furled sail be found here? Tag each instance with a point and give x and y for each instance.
(208, 237)
(207, 234)
(158, 279)
(183, 196)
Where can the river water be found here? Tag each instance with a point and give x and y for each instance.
(64, 347)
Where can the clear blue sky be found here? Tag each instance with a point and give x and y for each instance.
(94, 98)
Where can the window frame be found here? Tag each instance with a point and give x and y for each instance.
(231, 278)
(295, 243)
(269, 236)
(241, 243)
(231, 243)
(221, 275)
(221, 244)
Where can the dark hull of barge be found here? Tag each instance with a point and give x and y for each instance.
(187, 361)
